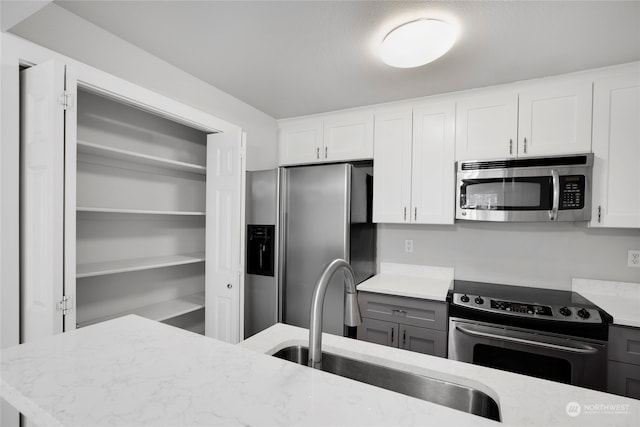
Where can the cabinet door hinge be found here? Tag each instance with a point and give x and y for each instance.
(66, 100)
(65, 305)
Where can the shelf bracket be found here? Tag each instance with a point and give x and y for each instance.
(65, 305)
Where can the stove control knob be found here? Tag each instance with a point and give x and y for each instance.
(464, 298)
(584, 313)
(479, 300)
(565, 311)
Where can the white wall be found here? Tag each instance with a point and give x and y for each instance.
(528, 254)
(62, 31)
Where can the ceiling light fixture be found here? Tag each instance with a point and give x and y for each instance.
(417, 43)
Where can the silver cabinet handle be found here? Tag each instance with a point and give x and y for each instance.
(525, 145)
(229, 286)
(405, 213)
(392, 335)
(326, 151)
(317, 152)
(511, 146)
(415, 214)
(404, 339)
(397, 312)
(553, 214)
(599, 213)
(472, 331)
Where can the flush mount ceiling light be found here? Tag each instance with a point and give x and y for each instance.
(417, 43)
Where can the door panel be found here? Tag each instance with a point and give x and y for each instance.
(378, 332)
(616, 132)
(392, 167)
(70, 171)
(487, 126)
(222, 267)
(421, 340)
(316, 234)
(555, 119)
(42, 206)
(433, 177)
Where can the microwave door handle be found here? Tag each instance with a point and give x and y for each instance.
(504, 336)
(553, 213)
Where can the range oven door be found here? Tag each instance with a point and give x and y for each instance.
(559, 358)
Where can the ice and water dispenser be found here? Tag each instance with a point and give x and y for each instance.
(260, 248)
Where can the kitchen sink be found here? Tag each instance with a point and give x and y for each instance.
(444, 393)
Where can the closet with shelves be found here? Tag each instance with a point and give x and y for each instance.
(130, 204)
(140, 215)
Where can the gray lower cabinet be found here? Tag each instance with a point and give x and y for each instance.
(624, 361)
(409, 323)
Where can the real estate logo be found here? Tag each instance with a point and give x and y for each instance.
(573, 409)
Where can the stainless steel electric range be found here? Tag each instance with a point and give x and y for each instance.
(551, 334)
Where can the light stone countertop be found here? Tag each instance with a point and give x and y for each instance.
(415, 281)
(620, 299)
(136, 372)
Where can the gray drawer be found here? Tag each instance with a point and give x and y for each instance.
(624, 379)
(408, 311)
(624, 344)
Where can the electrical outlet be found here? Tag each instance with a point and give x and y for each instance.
(408, 245)
(633, 258)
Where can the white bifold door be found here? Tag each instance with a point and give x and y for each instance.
(126, 208)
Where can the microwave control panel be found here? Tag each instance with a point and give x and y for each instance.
(571, 192)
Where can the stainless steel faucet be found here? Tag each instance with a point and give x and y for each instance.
(351, 310)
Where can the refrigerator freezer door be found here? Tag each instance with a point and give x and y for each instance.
(261, 291)
(317, 226)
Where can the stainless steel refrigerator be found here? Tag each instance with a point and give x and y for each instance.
(325, 213)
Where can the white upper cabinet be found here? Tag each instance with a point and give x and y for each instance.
(534, 119)
(433, 166)
(413, 168)
(616, 149)
(487, 126)
(392, 166)
(555, 118)
(300, 141)
(339, 137)
(348, 137)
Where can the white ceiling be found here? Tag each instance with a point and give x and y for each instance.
(293, 58)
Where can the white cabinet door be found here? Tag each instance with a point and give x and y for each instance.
(223, 222)
(616, 149)
(301, 142)
(348, 137)
(433, 178)
(487, 126)
(392, 167)
(555, 118)
(42, 207)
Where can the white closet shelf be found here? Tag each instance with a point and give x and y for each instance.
(160, 311)
(135, 264)
(139, 211)
(132, 156)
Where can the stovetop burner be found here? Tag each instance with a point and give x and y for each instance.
(562, 312)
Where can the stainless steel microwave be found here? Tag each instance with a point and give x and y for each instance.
(530, 189)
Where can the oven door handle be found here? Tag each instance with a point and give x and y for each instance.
(471, 331)
(555, 177)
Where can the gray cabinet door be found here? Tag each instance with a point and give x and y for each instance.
(421, 340)
(624, 379)
(624, 344)
(378, 332)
